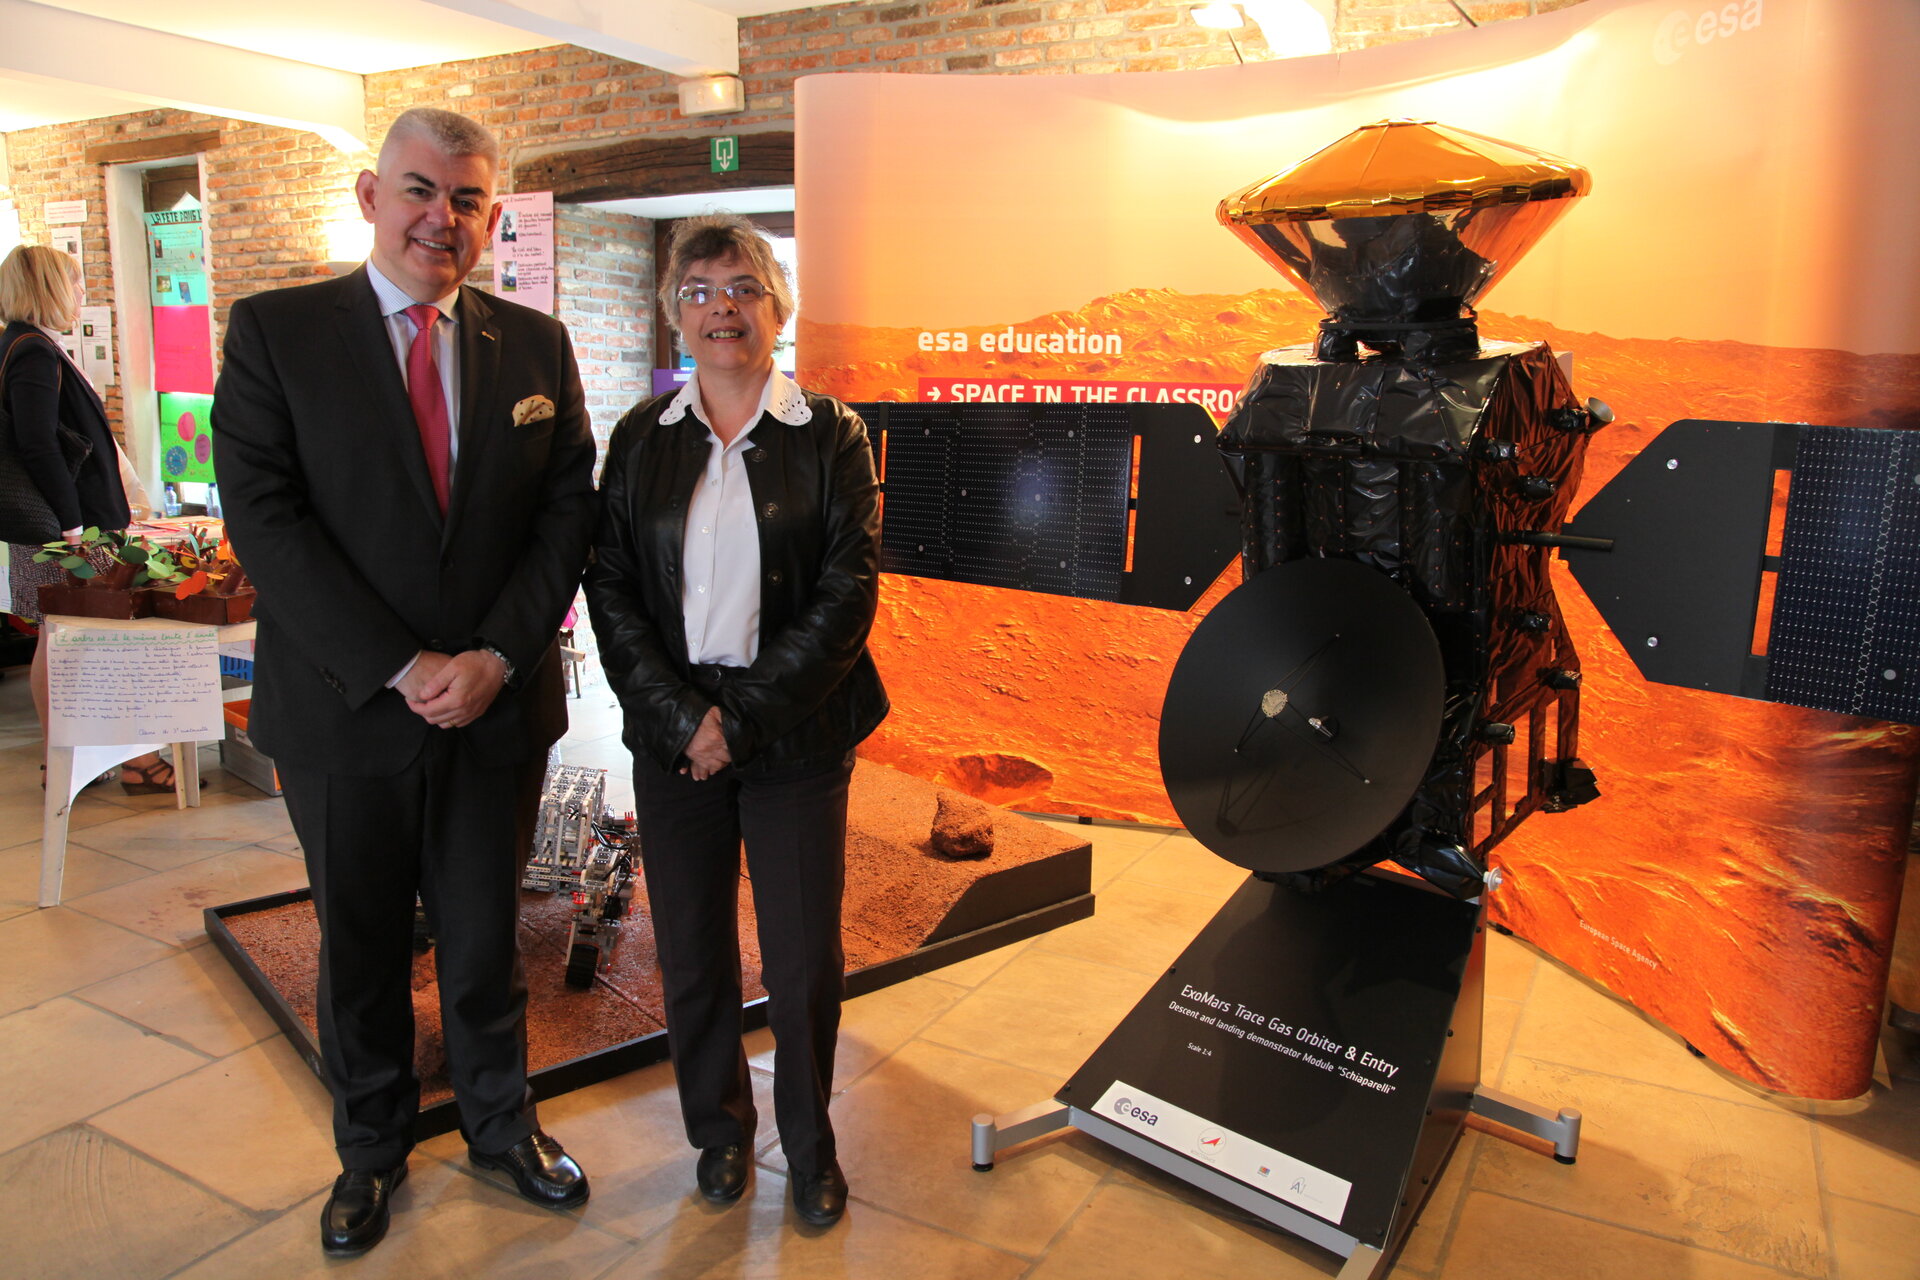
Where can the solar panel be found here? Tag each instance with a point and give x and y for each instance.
(1845, 634)
(1020, 496)
(1683, 582)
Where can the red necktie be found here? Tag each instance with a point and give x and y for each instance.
(429, 402)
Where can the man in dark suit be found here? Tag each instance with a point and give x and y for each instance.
(408, 479)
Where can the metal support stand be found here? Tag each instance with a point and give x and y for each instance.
(1320, 1093)
(993, 1134)
(1562, 1128)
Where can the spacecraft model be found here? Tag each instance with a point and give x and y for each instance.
(580, 848)
(1392, 683)
(1400, 442)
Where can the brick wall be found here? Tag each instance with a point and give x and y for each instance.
(928, 36)
(1363, 23)
(605, 293)
(271, 192)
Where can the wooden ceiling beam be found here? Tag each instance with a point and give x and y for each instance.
(656, 167)
(178, 144)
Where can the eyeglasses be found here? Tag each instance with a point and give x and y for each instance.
(740, 291)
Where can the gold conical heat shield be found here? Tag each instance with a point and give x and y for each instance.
(1404, 220)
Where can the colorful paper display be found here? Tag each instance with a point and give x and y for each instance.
(176, 258)
(186, 437)
(523, 262)
(183, 349)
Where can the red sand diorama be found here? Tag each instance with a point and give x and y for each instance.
(901, 894)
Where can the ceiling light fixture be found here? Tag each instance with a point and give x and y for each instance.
(712, 95)
(1293, 28)
(349, 242)
(1219, 17)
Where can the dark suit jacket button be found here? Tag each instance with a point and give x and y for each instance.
(674, 505)
(775, 577)
(769, 511)
(757, 455)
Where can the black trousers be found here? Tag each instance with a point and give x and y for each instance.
(795, 829)
(450, 829)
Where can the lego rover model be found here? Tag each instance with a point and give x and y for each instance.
(579, 847)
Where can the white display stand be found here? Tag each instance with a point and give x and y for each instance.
(118, 690)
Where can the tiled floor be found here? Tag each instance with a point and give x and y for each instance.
(155, 1124)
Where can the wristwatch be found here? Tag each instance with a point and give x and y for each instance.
(506, 663)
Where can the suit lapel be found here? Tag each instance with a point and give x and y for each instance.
(363, 331)
(480, 342)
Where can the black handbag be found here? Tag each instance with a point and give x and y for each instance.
(25, 515)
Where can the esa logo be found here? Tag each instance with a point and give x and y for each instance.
(1681, 30)
(1125, 1108)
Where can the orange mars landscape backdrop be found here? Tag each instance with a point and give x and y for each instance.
(1739, 877)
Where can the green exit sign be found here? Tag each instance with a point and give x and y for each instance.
(723, 154)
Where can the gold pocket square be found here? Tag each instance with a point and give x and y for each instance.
(532, 409)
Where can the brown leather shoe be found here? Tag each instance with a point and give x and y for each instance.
(820, 1198)
(541, 1169)
(355, 1217)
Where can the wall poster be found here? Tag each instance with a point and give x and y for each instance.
(1743, 255)
(182, 343)
(176, 258)
(186, 437)
(183, 349)
(93, 330)
(523, 259)
(67, 241)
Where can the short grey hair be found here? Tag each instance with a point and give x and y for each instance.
(717, 235)
(450, 131)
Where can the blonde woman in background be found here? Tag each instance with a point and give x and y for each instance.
(41, 292)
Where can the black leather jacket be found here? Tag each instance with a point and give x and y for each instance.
(813, 691)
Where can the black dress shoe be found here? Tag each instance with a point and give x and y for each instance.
(542, 1171)
(722, 1172)
(820, 1198)
(356, 1214)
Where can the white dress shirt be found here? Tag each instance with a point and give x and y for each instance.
(720, 546)
(446, 348)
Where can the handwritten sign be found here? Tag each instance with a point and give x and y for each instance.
(148, 680)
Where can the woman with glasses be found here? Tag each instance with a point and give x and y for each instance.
(734, 581)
